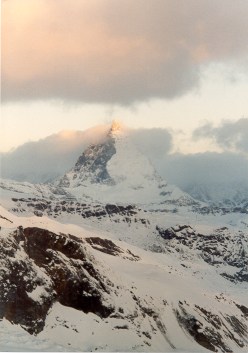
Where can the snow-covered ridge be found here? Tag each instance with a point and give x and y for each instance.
(87, 292)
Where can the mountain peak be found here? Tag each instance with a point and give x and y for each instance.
(116, 128)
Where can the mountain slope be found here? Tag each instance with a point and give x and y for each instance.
(231, 196)
(116, 171)
(87, 292)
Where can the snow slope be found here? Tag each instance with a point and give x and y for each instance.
(13, 338)
(168, 301)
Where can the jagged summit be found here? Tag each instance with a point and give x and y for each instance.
(116, 128)
(116, 171)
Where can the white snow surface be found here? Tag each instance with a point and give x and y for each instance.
(13, 338)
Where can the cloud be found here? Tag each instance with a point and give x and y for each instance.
(205, 168)
(51, 157)
(215, 174)
(154, 143)
(208, 176)
(229, 135)
(116, 51)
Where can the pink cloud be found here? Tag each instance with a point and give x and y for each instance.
(116, 51)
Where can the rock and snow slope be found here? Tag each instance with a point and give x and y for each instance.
(116, 171)
(228, 196)
(130, 264)
(87, 292)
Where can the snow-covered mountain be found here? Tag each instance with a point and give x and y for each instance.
(110, 257)
(116, 171)
(225, 195)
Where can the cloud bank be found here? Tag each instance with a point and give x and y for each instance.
(205, 169)
(229, 135)
(117, 51)
(51, 157)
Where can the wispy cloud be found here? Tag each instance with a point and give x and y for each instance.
(230, 135)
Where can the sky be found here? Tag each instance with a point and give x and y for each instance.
(170, 64)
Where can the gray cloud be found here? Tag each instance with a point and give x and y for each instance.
(208, 176)
(154, 143)
(205, 168)
(117, 51)
(48, 158)
(229, 135)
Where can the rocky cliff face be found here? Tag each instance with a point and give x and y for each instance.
(38, 268)
(91, 166)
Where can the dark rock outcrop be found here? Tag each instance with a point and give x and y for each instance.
(92, 165)
(41, 267)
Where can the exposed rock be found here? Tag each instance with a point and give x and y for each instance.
(91, 165)
(203, 332)
(41, 267)
(217, 248)
(108, 247)
(104, 245)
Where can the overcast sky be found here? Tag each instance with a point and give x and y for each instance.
(172, 64)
